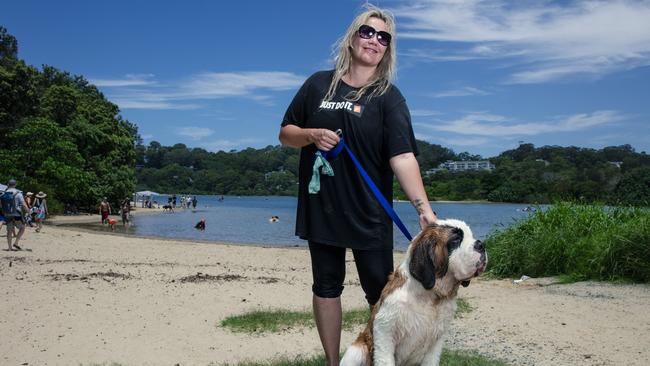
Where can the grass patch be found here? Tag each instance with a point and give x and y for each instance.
(267, 321)
(576, 242)
(352, 318)
(467, 358)
(462, 307)
(261, 321)
(271, 321)
(449, 358)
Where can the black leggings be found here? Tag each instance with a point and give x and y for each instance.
(328, 270)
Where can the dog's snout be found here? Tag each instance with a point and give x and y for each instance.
(479, 246)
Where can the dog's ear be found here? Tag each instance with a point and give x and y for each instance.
(428, 258)
(421, 266)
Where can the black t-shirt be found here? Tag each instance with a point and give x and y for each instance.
(345, 213)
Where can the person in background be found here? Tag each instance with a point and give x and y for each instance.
(13, 208)
(358, 98)
(29, 199)
(3, 220)
(200, 225)
(104, 210)
(40, 209)
(30, 217)
(125, 210)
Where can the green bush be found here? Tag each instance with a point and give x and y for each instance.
(582, 242)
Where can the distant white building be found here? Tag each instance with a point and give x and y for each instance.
(461, 166)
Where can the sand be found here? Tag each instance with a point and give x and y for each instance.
(79, 298)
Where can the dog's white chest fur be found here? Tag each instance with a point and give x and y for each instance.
(409, 325)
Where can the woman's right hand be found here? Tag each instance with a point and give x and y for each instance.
(323, 138)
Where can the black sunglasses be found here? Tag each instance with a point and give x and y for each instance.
(367, 32)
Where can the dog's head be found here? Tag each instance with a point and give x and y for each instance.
(446, 249)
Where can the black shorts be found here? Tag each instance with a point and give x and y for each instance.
(328, 270)
(14, 221)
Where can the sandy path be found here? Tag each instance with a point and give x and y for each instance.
(81, 298)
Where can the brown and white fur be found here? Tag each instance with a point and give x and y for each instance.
(408, 323)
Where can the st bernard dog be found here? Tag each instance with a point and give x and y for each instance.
(408, 323)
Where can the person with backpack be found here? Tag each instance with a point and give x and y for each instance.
(13, 208)
(3, 220)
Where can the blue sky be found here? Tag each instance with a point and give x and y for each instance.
(478, 76)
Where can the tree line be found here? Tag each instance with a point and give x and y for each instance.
(614, 175)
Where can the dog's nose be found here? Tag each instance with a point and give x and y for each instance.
(479, 246)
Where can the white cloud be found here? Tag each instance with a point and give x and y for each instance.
(195, 133)
(144, 93)
(227, 145)
(424, 113)
(460, 92)
(143, 104)
(484, 124)
(476, 141)
(128, 80)
(547, 40)
(219, 85)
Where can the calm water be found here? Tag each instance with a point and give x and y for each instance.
(246, 220)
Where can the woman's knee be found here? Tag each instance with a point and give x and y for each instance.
(328, 291)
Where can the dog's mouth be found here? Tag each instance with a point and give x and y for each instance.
(480, 268)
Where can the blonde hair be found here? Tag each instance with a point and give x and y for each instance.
(385, 72)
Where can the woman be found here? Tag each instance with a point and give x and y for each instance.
(125, 210)
(359, 99)
(40, 206)
(29, 199)
(30, 217)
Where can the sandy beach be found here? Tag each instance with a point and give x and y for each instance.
(78, 298)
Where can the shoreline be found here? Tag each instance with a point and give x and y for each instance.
(72, 227)
(75, 226)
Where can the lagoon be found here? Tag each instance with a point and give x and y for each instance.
(245, 220)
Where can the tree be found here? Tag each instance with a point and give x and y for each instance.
(8, 47)
(634, 188)
(59, 134)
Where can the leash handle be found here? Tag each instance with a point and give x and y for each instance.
(337, 149)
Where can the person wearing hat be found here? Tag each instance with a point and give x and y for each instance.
(13, 207)
(40, 206)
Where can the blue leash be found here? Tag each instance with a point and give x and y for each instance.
(380, 197)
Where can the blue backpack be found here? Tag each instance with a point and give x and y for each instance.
(8, 201)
